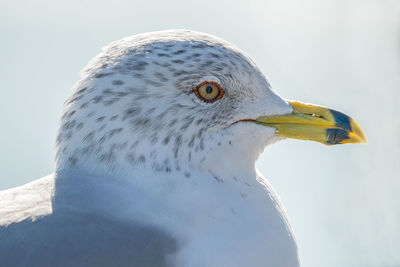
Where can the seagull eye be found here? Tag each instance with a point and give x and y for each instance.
(209, 91)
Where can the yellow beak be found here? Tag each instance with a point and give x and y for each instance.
(315, 123)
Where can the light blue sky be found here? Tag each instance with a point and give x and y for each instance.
(343, 202)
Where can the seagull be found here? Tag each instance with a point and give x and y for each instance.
(155, 162)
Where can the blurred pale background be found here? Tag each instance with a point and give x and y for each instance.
(343, 202)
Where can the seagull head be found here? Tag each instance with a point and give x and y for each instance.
(177, 100)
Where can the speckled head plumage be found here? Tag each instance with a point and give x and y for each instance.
(135, 107)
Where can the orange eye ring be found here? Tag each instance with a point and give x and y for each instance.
(208, 91)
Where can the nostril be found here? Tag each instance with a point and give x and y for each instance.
(316, 115)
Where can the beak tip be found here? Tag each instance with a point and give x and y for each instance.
(357, 134)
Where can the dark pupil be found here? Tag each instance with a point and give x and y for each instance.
(209, 89)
